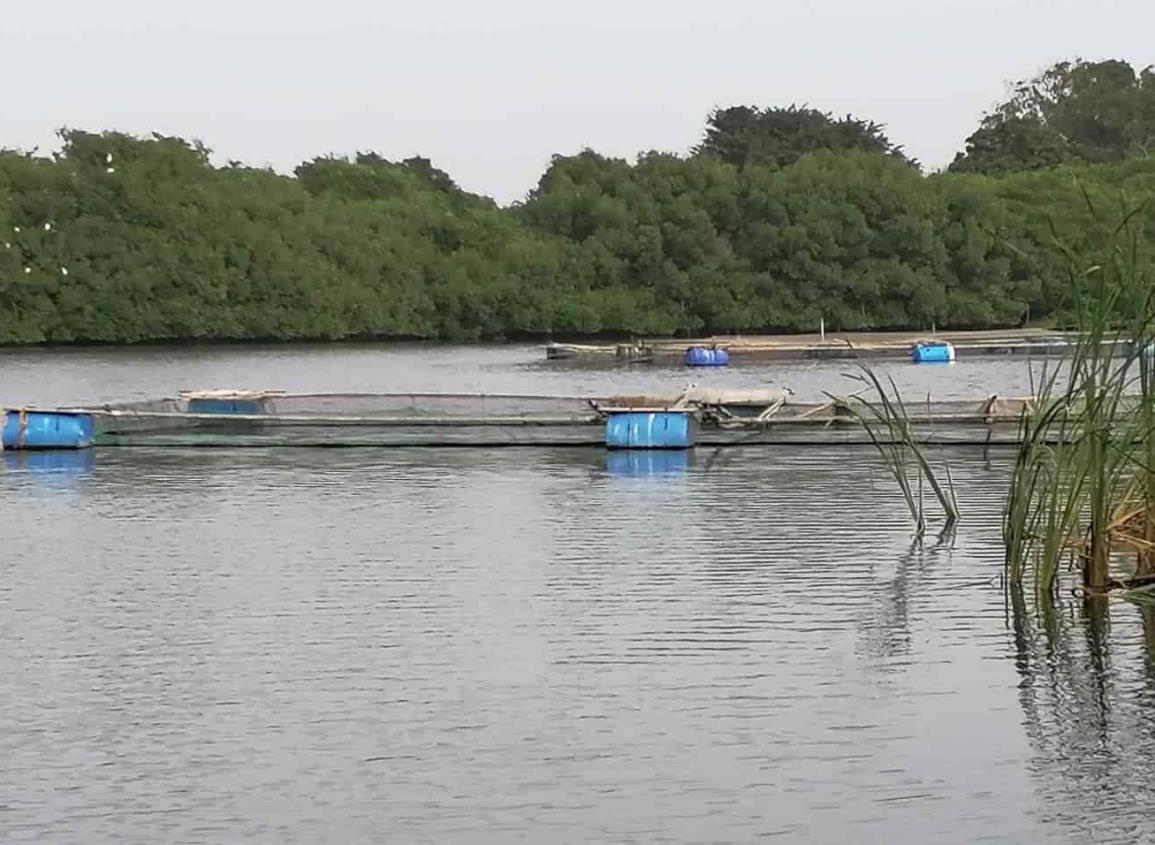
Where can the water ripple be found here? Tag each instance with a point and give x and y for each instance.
(483, 646)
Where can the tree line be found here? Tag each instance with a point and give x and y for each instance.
(778, 218)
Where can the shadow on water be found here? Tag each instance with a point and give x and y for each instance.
(1087, 693)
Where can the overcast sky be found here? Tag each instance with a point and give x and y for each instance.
(490, 90)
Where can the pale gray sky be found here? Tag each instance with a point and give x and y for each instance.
(489, 90)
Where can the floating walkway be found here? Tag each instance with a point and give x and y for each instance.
(694, 417)
(826, 346)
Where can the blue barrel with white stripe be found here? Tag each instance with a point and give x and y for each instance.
(46, 430)
(650, 430)
(704, 356)
(933, 352)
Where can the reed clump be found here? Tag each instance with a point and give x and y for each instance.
(1082, 493)
(885, 419)
(1081, 499)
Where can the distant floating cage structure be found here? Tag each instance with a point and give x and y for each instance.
(697, 416)
(852, 345)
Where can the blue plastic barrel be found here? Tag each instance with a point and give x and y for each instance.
(250, 407)
(46, 430)
(702, 356)
(649, 430)
(939, 352)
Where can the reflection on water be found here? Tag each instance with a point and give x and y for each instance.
(548, 645)
(647, 462)
(96, 376)
(886, 629)
(1087, 690)
(57, 467)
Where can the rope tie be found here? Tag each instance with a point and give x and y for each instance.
(23, 431)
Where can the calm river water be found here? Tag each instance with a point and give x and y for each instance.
(542, 645)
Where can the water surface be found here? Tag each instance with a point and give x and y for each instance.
(97, 375)
(419, 645)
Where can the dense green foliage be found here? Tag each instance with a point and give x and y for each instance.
(119, 239)
(744, 135)
(1073, 112)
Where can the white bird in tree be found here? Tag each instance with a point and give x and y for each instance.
(27, 270)
(63, 271)
(47, 227)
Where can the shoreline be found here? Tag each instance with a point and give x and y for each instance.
(544, 339)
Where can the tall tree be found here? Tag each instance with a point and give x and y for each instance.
(744, 135)
(1073, 111)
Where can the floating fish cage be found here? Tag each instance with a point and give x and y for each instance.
(830, 346)
(695, 417)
